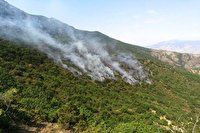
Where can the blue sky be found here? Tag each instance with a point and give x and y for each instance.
(140, 22)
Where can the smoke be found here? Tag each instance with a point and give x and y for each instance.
(77, 55)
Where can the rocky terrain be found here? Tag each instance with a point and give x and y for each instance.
(190, 62)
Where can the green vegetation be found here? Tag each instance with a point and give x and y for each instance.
(6, 99)
(34, 89)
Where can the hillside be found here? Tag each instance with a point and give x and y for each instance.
(189, 62)
(81, 52)
(47, 92)
(55, 78)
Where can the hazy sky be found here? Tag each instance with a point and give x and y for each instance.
(141, 22)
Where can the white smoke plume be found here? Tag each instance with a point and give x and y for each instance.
(78, 56)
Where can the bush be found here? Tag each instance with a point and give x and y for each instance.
(4, 121)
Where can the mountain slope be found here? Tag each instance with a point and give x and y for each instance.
(36, 88)
(192, 47)
(47, 92)
(187, 61)
(78, 51)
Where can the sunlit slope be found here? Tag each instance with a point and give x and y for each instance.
(48, 92)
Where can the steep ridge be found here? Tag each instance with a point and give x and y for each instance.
(90, 52)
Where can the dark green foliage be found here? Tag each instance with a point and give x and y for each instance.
(48, 92)
(4, 121)
(6, 100)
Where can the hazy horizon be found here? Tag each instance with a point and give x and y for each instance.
(137, 22)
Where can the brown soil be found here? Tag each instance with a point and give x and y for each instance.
(43, 128)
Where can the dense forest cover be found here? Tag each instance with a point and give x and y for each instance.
(34, 89)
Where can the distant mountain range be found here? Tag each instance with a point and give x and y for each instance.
(192, 47)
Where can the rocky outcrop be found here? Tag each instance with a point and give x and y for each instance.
(190, 62)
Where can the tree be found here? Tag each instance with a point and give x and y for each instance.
(7, 97)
